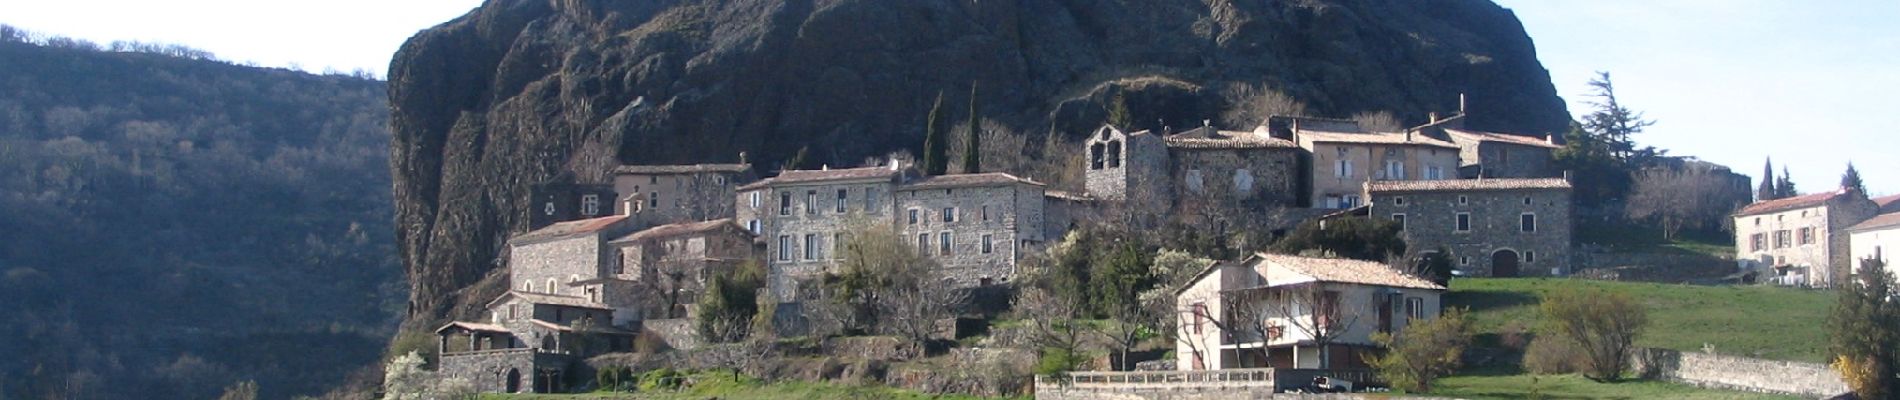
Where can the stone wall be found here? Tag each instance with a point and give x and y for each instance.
(977, 212)
(1272, 175)
(1740, 373)
(678, 333)
(490, 370)
(562, 261)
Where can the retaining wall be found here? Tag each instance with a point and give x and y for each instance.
(1740, 373)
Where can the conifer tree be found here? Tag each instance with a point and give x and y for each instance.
(972, 157)
(1767, 190)
(1118, 113)
(935, 142)
(1851, 180)
(1784, 188)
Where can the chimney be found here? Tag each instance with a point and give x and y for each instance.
(824, 167)
(742, 160)
(1550, 138)
(1434, 116)
(1461, 104)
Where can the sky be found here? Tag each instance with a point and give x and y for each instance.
(1811, 84)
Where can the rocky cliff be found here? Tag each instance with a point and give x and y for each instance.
(523, 91)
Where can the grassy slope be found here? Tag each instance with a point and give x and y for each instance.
(1762, 322)
(1575, 387)
(720, 385)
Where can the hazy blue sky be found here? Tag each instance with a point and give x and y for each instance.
(1813, 84)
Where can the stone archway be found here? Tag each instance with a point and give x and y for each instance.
(512, 383)
(1504, 264)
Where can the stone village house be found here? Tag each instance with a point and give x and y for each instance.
(1875, 238)
(1492, 227)
(1802, 240)
(1308, 309)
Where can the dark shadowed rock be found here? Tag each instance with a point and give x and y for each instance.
(523, 91)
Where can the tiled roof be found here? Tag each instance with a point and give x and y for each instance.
(820, 175)
(568, 229)
(1505, 138)
(963, 180)
(1341, 270)
(1210, 138)
(1888, 203)
(681, 169)
(1777, 205)
(551, 299)
(598, 328)
(1882, 221)
(1374, 138)
(472, 326)
(1467, 184)
(675, 229)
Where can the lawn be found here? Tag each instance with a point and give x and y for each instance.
(1524, 386)
(1750, 321)
(721, 385)
(1626, 238)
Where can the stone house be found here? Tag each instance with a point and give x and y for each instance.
(975, 226)
(673, 263)
(557, 202)
(547, 260)
(1875, 238)
(1343, 161)
(1492, 227)
(664, 194)
(1498, 155)
(1305, 312)
(1193, 175)
(1803, 239)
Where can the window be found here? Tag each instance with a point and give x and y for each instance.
(1243, 180)
(1462, 200)
(1757, 221)
(1783, 239)
(987, 248)
(1200, 316)
(870, 199)
(1433, 172)
(943, 243)
(1757, 242)
(784, 247)
(784, 203)
(654, 180)
(1530, 256)
(811, 246)
(837, 243)
(551, 286)
(1332, 200)
(1394, 169)
(1807, 236)
(754, 199)
(949, 214)
(1415, 307)
(923, 243)
(1527, 201)
(1398, 201)
(1464, 222)
(1194, 180)
(548, 209)
(753, 226)
(1466, 260)
(913, 216)
(843, 201)
(985, 210)
(1527, 222)
(1095, 156)
(811, 202)
(1115, 154)
(527, 286)
(653, 199)
(1342, 168)
(1349, 201)
(1399, 218)
(590, 204)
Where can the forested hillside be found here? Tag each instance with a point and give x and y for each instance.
(171, 224)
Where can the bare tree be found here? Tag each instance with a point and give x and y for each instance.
(1250, 105)
(1052, 321)
(1679, 198)
(913, 311)
(889, 287)
(1268, 313)
(1002, 149)
(1379, 121)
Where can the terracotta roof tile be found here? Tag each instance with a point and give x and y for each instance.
(1882, 221)
(551, 299)
(1888, 203)
(675, 229)
(1502, 137)
(1777, 205)
(1341, 270)
(1210, 138)
(1374, 138)
(598, 328)
(1467, 184)
(820, 175)
(472, 326)
(681, 169)
(568, 229)
(964, 180)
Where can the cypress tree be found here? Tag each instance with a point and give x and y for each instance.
(1851, 180)
(1785, 187)
(935, 144)
(1767, 190)
(972, 157)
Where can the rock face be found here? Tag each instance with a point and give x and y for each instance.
(523, 91)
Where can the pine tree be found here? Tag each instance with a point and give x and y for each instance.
(1118, 113)
(1767, 190)
(1851, 180)
(1784, 188)
(935, 141)
(1617, 124)
(972, 157)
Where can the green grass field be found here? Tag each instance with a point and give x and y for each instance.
(1525, 386)
(1750, 321)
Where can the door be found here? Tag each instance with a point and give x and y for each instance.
(513, 383)
(1504, 264)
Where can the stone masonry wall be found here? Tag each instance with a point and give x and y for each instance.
(977, 212)
(1431, 222)
(489, 370)
(1274, 174)
(785, 235)
(1740, 373)
(561, 260)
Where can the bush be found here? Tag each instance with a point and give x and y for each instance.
(1603, 326)
(1552, 354)
(1423, 352)
(1057, 361)
(1864, 330)
(1358, 238)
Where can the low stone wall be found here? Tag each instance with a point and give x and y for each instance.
(488, 370)
(1248, 383)
(1740, 373)
(678, 332)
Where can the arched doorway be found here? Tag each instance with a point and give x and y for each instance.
(513, 382)
(1504, 264)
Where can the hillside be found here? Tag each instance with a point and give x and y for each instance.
(519, 92)
(1750, 321)
(170, 225)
